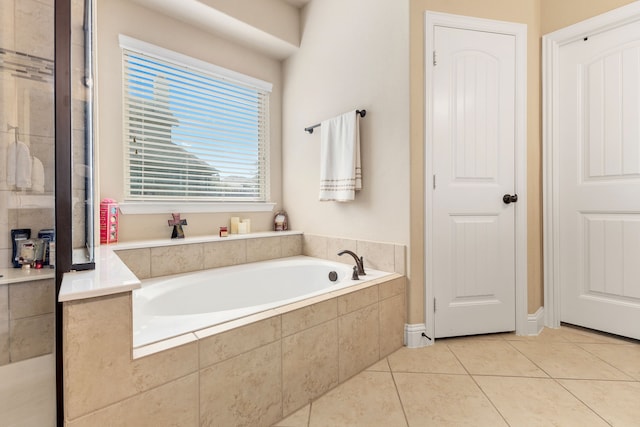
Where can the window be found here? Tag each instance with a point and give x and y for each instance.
(193, 131)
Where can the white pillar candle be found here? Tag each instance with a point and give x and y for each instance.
(242, 228)
(234, 224)
(248, 222)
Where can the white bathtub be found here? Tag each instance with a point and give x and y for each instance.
(169, 306)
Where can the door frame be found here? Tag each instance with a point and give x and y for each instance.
(551, 44)
(519, 31)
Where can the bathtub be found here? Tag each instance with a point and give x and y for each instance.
(169, 306)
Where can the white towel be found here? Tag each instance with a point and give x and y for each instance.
(19, 165)
(340, 169)
(37, 176)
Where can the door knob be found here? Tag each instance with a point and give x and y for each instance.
(508, 198)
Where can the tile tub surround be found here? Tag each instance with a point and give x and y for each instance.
(264, 368)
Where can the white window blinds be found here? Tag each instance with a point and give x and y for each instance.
(192, 132)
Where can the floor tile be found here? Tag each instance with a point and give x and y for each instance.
(494, 358)
(369, 399)
(380, 366)
(624, 357)
(618, 402)
(567, 360)
(445, 400)
(436, 358)
(547, 334)
(299, 418)
(537, 402)
(581, 335)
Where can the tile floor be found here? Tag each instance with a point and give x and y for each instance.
(563, 377)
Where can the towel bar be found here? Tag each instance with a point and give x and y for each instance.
(311, 128)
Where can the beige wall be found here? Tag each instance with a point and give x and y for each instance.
(353, 55)
(559, 14)
(125, 17)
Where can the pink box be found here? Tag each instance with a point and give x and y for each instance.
(108, 221)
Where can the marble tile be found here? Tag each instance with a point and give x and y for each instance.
(7, 29)
(28, 299)
(493, 358)
(300, 418)
(567, 360)
(378, 256)
(98, 367)
(536, 402)
(436, 358)
(171, 404)
(626, 358)
(309, 364)
(229, 344)
(36, 109)
(5, 256)
(35, 219)
(138, 261)
(391, 288)
(222, 254)
(358, 341)
(615, 401)
(392, 320)
(400, 259)
(368, 399)
(445, 400)
(315, 246)
(380, 366)
(4, 325)
(356, 300)
(306, 317)
(244, 390)
(166, 260)
(291, 245)
(335, 245)
(34, 28)
(31, 336)
(263, 248)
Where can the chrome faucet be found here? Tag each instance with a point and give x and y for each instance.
(359, 268)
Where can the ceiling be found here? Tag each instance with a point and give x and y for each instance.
(298, 3)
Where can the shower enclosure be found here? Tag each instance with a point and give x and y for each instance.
(30, 186)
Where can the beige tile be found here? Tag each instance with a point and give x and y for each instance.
(623, 357)
(166, 260)
(263, 248)
(580, 335)
(237, 341)
(392, 321)
(309, 364)
(222, 254)
(567, 360)
(436, 358)
(356, 300)
(315, 246)
(392, 287)
(400, 259)
(368, 400)
(31, 298)
(307, 317)
(336, 245)
(445, 400)
(358, 341)
(98, 365)
(300, 418)
(244, 390)
(493, 358)
(291, 245)
(31, 336)
(7, 31)
(615, 401)
(37, 110)
(138, 261)
(380, 366)
(536, 402)
(171, 404)
(378, 256)
(34, 28)
(4, 325)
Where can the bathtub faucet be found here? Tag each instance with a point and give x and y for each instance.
(359, 261)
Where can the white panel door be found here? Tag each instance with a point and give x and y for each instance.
(599, 183)
(473, 163)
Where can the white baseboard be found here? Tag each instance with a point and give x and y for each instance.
(535, 322)
(413, 335)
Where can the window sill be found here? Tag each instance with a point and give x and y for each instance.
(142, 208)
